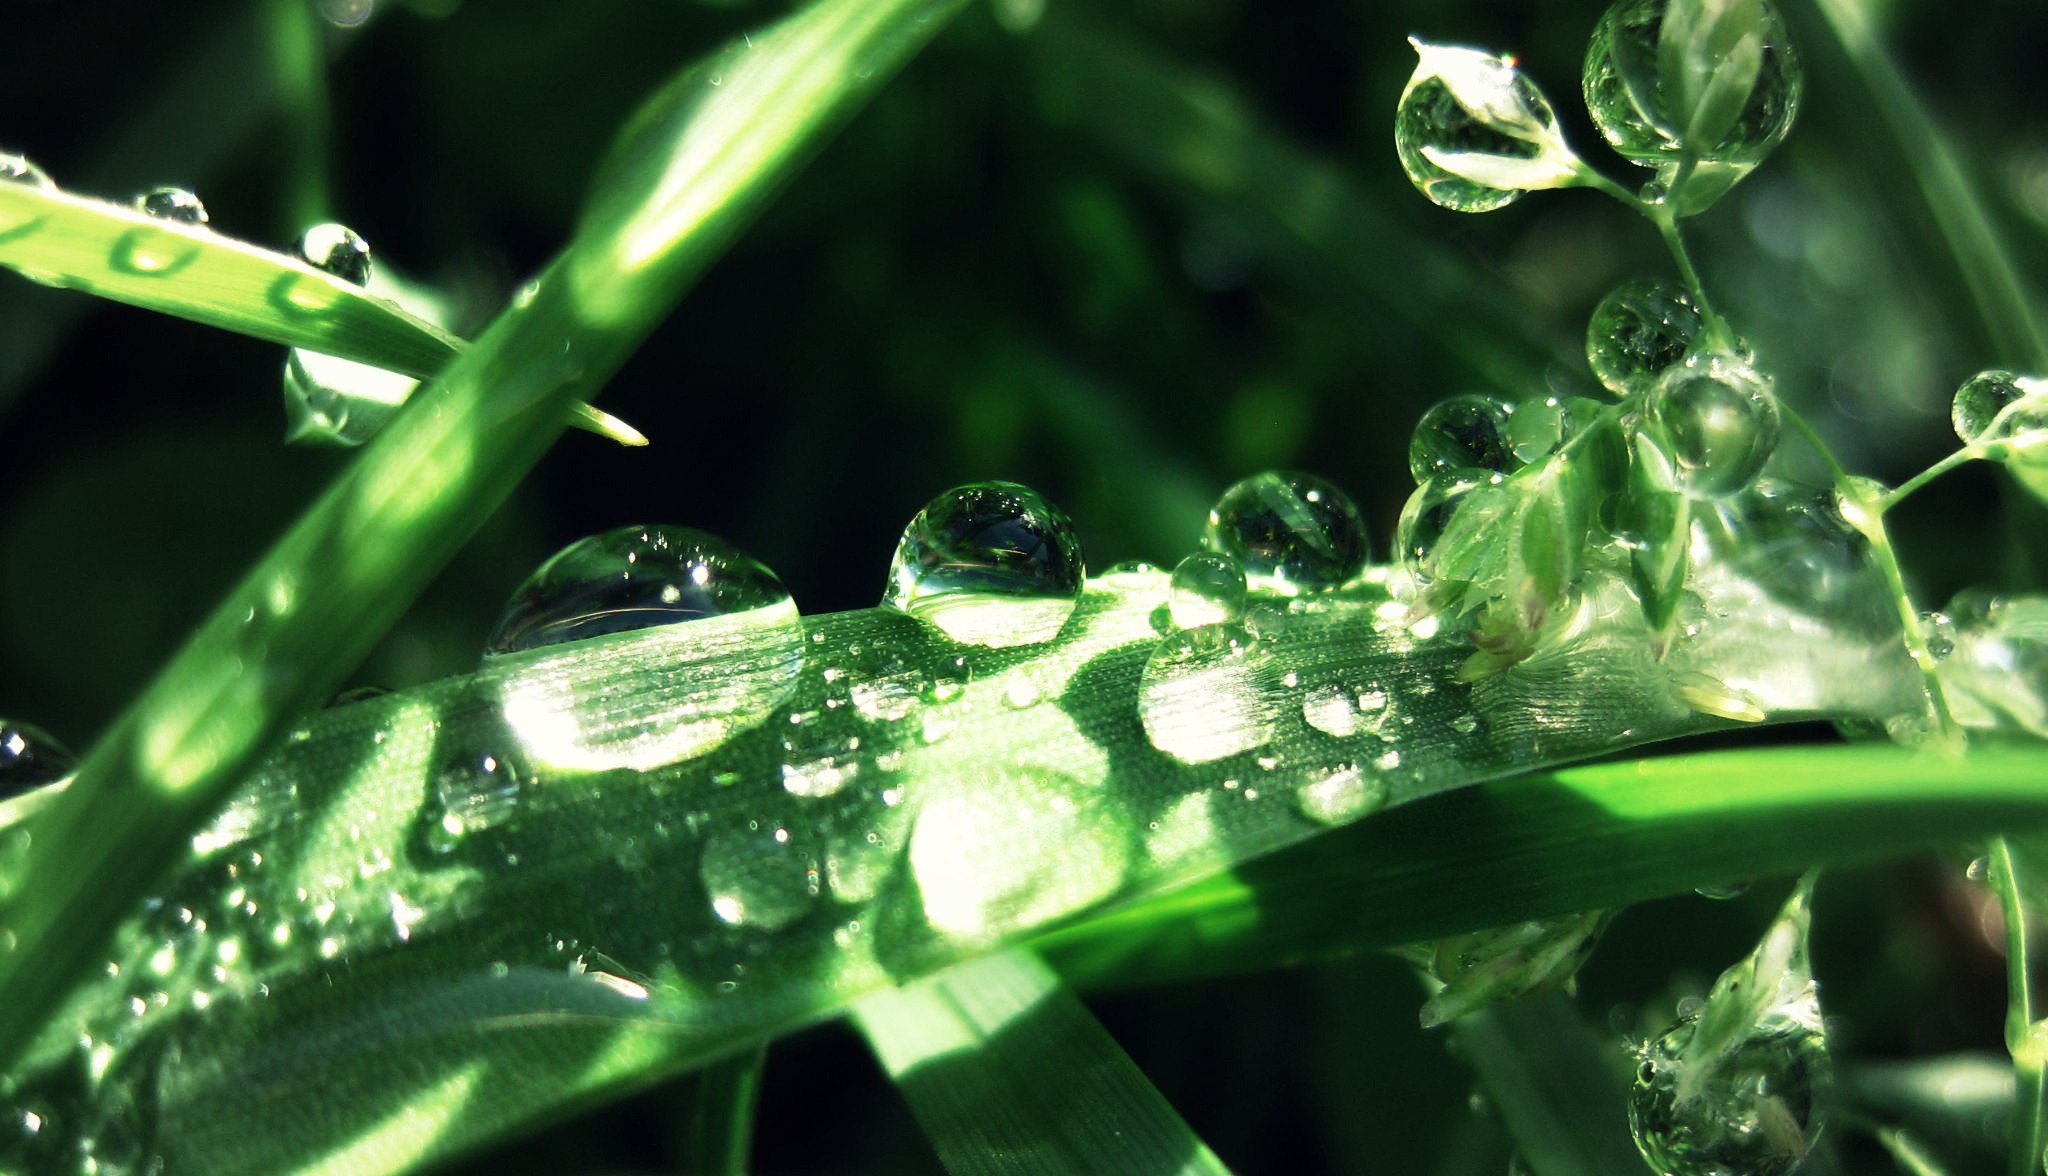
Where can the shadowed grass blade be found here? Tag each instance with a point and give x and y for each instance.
(1010, 1076)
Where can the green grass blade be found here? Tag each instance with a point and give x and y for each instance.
(190, 271)
(1573, 840)
(295, 626)
(1551, 1075)
(1010, 1076)
(722, 1117)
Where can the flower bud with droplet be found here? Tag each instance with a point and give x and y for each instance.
(2004, 417)
(1474, 134)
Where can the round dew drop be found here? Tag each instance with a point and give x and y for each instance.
(761, 878)
(473, 792)
(1980, 414)
(991, 564)
(172, 204)
(1463, 434)
(16, 169)
(337, 250)
(1640, 329)
(1206, 589)
(1719, 421)
(1655, 101)
(634, 578)
(1291, 532)
(1427, 516)
(29, 758)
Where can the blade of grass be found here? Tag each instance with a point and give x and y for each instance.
(689, 173)
(1548, 1072)
(190, 271)
(1572, 840)
(1010, 1075)
(721, 1129)
(300, 59)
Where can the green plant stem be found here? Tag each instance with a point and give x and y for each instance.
(1960, 457)
(2026, 1033)
(722, 1115)
(306, 108)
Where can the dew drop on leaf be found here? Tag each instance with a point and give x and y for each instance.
(1720, 422)
(30, 758)
(1208, 693)
(1206, 589)
(172, 204)
(759, 877)
(1637, 331)
(337, 250)
(1463, 435)
(1291, 532)
(471, 791)
(1425, 518)
(18, 170)
(1473, 133)
(1344, 794)
(991, 564)
(638, 577)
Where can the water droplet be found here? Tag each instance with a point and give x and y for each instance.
(1427, 515)
(991, 564)
(17, 169)
(633, 578)
(1021, 692)
(1208, 693)
(1343, 795)
(1207, 589)
(1979, 870)
(1331, 710)
(1473, 133)
(172, 204)
(333, 401)
(1723, 94)
(1984, 412)
(1731, 1087)
(1540, 428)
(338, 250)
(1636, 332)
(1720, 422)
(1996, 675)
(30, 758)
(473, 792)
(1465, 435)
(1291, 532)
(759, 877)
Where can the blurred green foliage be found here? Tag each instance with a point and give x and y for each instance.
(1125, 253)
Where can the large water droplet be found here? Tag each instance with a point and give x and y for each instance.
(991, 564)
(2008, 408)
(1463, 435)
(634, 578)
(759, 877)
(472, 791)
(1662, 85)
(30, 758)
(1427, 515)
(1637, 331)
(1720, 421)
(18, 170)
(1345, 794)
(1291, 532)
(172, 204)
(1731, 1086)
(1207, 589)
(1208, 693)
(338, 250)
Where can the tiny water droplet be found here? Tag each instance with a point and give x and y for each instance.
(30, 758)
(1463, 435)
(1636, 332)
(633, 578)
(760, 877)
(338, 250)
(473, 792)
(1021, 692)
(1979, 870)
(1331, 710)
(1207, 589)
(1208, 693)
(991, 564)
(1291, 532)
(1720, 421)
(172, 204)
(17, 169)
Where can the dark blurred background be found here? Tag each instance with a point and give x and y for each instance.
(1126, 252)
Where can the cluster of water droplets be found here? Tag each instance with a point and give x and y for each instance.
(1734, 1085)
